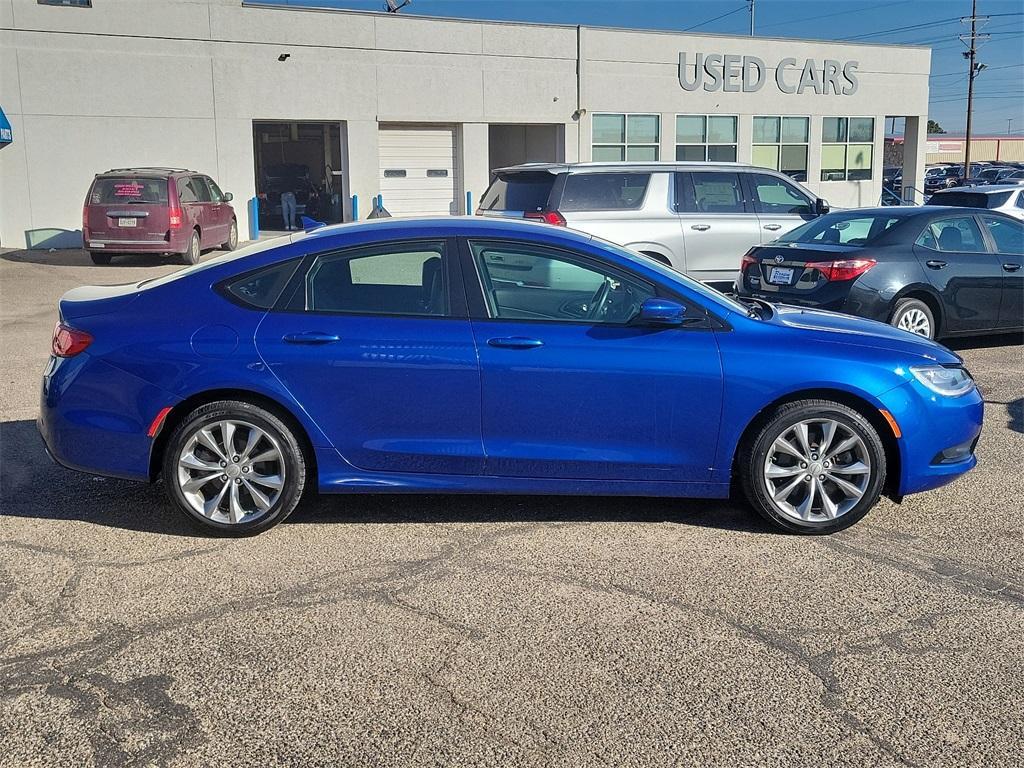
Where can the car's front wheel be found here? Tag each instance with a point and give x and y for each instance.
(815, 466)
(195, 251)
(234, 468)
(232, 242)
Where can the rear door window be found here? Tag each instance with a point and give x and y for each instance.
(200, 189)
(111, 190)
(954, 235)
(518, 192)
(186, 192)
(710, 192)
(1007, 235)
(604, 191)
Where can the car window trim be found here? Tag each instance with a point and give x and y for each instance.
(457, 309)
(986, 233)
(479, 310)
(977, 223)
(751, 193)
(690, 194)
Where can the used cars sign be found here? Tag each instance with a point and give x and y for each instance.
(735, 73)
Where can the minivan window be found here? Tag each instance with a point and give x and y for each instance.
(969, 199)
(186, 192)
(518, 192)
(113, 190)
(202, 192)
(709, 192)
(857, 229)
(773, 195)
(604, 191)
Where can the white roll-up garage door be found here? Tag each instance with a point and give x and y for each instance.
(418, 169)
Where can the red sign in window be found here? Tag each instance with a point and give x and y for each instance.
(127, 189)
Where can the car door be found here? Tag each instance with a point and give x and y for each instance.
(780, 205)
(190, 205)
(210, 227)
(1006, 238)
(569, 388)
(718, 224)
(967, 276)
(221, 210)
(375, 344)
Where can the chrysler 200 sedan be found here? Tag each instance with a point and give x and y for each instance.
(490, 356)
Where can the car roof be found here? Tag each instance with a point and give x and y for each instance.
(144, 171)
(622, 165)
(991, 189)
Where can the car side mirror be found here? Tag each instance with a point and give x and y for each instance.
(228, 197)
(821, 206)
(660, 312)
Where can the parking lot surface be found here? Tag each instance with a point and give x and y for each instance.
(505, 631)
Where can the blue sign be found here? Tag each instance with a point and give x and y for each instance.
(6, 134)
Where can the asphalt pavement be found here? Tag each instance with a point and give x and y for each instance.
(497, 630)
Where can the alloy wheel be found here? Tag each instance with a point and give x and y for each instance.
(231, 471)
(915, 321)
(817, 470)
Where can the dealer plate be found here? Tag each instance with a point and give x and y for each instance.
(127, 222)
(780, 275)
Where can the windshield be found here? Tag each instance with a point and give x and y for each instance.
(850, 228)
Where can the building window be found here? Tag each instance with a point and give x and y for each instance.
(780, 143)
(847, 144)
(71, 3)
(706, 137)
(625, 137)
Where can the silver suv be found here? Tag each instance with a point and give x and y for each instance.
(699, 218)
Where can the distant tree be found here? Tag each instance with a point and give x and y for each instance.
(934, 127)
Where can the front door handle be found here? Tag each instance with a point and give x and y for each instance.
(311, 337)
(700, 227)
(1011, 267)
(773, 227)
(515, 342)
(935, 264)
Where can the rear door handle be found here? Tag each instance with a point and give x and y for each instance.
(700, 227)
(311, 337)
(1011, 267)
(935, 264)
(515, 342)
(773, 227)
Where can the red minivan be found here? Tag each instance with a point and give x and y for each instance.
(156, 210)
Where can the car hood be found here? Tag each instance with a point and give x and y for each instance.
(844, 329)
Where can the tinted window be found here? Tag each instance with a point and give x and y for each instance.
(1008, 235)
(518, 192)
(110, 190)
(969, 199)
(526, 282)
(604, 191)
(391, 280)
(199, 188)
(773, 195)
(218, 196)
(953, 235)
(186, 192)
(842, 229)
(261, 289)
(710, 192)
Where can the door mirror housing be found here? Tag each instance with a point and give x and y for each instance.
(821, 206)
(660, 312)
(228, 197)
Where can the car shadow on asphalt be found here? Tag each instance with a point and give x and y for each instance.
(984, 342)
(33, 486)
(79, 258)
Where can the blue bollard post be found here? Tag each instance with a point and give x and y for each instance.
(355, 207)
(254, 219)
(469, 203)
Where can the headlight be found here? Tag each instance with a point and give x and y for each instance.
(950, 382)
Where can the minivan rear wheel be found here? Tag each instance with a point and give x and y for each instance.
(100, 259)
(816, 466)
(191, 256)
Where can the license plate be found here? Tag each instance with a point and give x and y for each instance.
(781, 275)
(127, 222)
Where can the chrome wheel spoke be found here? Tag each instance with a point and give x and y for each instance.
(261, 499)
(782, 444)
(828, 433)
(196, 483)
(804, 510)
(774, 471)
(851, 490)
(803, 437)
(269, 455)
(205, 436)
(236, 512)
(210, 507)
(828, 507)
(227, 433)
(843, 447)
(250, 444)
(191, 461)
(857, 468)
(787, 490)
(267, 481)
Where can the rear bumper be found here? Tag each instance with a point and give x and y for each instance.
(850, 299)
(103, 244)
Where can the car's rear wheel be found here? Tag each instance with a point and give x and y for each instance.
(194, 252)
(815, 466)
(100, 259)
(915, 316)
(232, 242)
(234, 468)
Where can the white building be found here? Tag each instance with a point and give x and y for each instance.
(418, 109)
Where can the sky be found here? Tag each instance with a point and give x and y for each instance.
(999, 90)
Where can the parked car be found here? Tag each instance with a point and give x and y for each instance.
(943, 177)
(490, 356)
(891, 174)
(1006, 198)
(698, 218)
(930, 270)
(163, 211)
(985, 174)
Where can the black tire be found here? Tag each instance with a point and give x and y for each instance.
(191, 256)
(99, 259)
(755, 455)
(908, 311)
(232, 242)
(292, 459)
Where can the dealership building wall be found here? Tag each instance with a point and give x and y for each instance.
(181, 83)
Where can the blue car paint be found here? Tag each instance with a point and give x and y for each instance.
(425, 404)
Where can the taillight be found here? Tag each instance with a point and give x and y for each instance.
(68, 341)
(548, 217)
(85, 220)
(845, 269)
(176, 219)
(748, 260)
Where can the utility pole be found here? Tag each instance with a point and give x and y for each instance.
(972, 72)
(751, 4)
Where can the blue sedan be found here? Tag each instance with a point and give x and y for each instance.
(488, 356)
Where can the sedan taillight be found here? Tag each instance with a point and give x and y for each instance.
(68, 341)
(844, 269)
(747, 261)
(548, 217)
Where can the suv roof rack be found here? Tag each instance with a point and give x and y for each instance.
(150, 168)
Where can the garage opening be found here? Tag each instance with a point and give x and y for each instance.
(419, 171)
(510, 144)
(303, 158)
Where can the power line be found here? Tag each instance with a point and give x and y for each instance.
(730, 13)
(830, 15)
